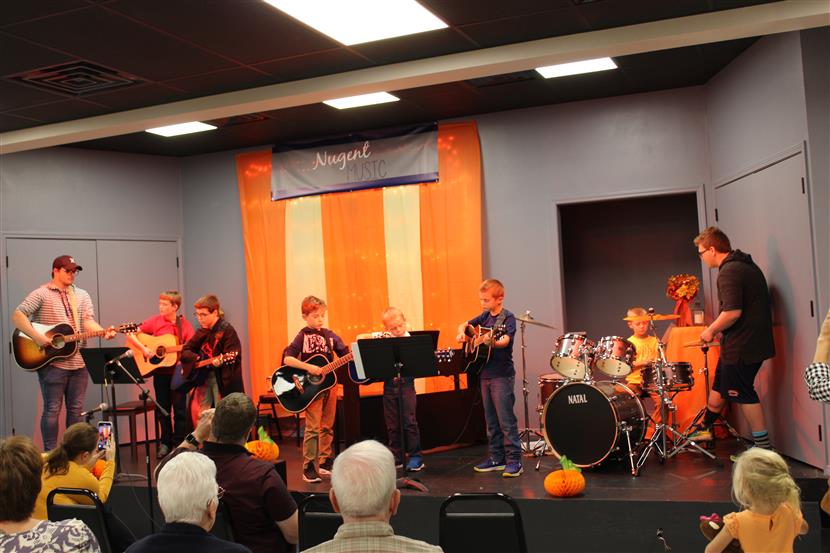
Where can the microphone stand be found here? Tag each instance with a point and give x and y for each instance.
(143, 396)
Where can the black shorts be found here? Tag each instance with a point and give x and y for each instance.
(736, 381)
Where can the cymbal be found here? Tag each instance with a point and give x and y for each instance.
(530, 321)
(656, 317)
(698, 344)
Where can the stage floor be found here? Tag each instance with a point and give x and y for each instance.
(619, 511)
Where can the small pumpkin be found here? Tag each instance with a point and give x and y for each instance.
(98, 468)
(566, 482)
(264, 448)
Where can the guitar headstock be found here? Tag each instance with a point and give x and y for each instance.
(225, 358)
(444, 355)
(127, 328)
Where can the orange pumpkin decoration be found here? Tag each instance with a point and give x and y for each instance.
(264, 448)
(98, 469)
(566, 482)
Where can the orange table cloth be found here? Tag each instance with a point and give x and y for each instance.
(690, 402)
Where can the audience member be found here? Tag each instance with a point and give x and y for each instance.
(263, 513)
(21, 465)
(771, 519)
(817, 377)
(189, 497)
(363, 492)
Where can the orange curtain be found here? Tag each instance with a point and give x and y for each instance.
(355, 255)
(263, 229)
(451, 245)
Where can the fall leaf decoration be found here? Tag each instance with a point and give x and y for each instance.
(264, 448)
(566, 482)
(682, 287)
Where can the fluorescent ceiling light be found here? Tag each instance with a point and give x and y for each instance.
(358, 21)
(362, 100)
(182, 128)
(577, 67)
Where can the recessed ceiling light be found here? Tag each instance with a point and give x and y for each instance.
(358, 21)
(182, 128)
(577, 67)
(362, 100)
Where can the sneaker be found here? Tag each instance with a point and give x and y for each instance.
(513, 469)
(310, 474)
(415, 464)
(700, 434)
(489, 466)
(163, 451)
(325, 468)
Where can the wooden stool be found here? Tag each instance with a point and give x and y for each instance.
(132, 409)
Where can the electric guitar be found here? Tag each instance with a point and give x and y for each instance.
(63, 343)
(296, 388)
(164, 350)
(189, 378)
(477, 348)
(441, 355)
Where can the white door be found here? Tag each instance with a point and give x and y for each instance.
(29, 266)
(131, 275)
(766, 214)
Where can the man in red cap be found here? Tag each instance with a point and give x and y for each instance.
(59, 301)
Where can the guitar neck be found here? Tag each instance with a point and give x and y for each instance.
(83, 335)
(336, 364)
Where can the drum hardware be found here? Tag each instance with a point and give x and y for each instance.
(685, 442)
(537, 448)
(528, 318)
(660, 436)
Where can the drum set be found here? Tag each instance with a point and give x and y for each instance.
(588, 413)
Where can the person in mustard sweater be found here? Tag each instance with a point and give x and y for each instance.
(69, 466)
(647, 352)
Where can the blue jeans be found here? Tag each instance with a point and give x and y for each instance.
(410, 422)
(55, 385)
(502, 428)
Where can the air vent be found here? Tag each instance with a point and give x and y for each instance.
(507, 78)
(77, 78)
(240, 120)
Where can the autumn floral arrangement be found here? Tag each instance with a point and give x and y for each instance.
(682, 289)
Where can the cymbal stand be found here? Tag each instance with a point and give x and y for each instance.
(659, 439)
(537, 448)
(704, 348)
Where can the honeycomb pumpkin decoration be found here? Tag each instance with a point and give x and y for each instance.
(98, 468)
(566, 482)
(264, 448)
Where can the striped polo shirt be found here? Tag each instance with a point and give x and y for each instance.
(50, 305)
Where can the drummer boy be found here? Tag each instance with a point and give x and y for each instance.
(646, 348)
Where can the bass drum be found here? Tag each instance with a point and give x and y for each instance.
(585, 422)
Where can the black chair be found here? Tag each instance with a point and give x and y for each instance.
(222, 528)
(487, 522)
(317, 520)
(92, 515)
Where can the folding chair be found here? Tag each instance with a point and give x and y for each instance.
(317, 520)
(91, 515)
(489, 522)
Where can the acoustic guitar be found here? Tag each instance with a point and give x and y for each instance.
(63, 343)
(164, 350)
(477, 348)
(296, 388)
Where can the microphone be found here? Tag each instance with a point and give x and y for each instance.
(126, 355)
(101, 407)
(650, 311)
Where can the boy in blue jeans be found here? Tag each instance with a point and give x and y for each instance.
(497, 379)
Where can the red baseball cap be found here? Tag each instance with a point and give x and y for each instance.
(66, 262)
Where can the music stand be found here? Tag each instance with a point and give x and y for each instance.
(109, 366)
(384, 358)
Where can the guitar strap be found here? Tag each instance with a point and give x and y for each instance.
(73, 305)
(179, 339)
(499, 320)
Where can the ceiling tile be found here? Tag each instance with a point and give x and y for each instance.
(65, 110)
(26, 56)
(314, 64)
(248, 31)
(220, 81)
(18, 11)
(9, 122)
(421, 45)
(525, 28)
(104, 38)
(15, 96)
(464, 12)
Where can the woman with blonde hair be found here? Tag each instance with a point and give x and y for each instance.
(771, 519)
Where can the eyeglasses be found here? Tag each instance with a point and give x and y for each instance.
(220, 491)
(700, 253)
(70, 271)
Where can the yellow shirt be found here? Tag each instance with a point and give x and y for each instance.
(646, 351)
(78, 476)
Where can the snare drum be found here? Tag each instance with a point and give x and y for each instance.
(677, 377)
(572, 352)
(587, 422)
(614, 356)
(549, 383)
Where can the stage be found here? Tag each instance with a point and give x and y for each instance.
(617, 512)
